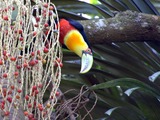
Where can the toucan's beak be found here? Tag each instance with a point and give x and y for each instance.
(86, 61)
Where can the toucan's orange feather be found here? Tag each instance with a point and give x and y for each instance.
(75, 42)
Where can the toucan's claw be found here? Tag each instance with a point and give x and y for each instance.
(86, 62)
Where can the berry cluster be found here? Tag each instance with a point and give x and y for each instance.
(30, 58)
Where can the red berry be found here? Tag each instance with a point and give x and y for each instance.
(25, 65)
(9, 92)
(19, 90)
(4, 52)
(45, 5)
(37, 19)
(17, 96)
(5, 75)
(34, 88)
(36, 25)
(36, 92)
(45, 50)
(32, 53)
(61, 64)
(25, 113)
(30, 116)
(2, 106)
(40, 85)
(32, 63)
(27, 97)
(58, 60)
(5, 18)
(50, 13)
(29, 105)
(18, 66)
(20, 31)
(41, 108)
(1, 62)
(21, 38)
(51, 8)
(6, 113)
(38, 52)
(13, 58)
(34, 33)
(13, 8)
(16, 73)
(9, 99)
(57, 93)
(12, 87)
(46, 25)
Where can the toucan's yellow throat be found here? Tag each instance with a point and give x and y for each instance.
(75, 42)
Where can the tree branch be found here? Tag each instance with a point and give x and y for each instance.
(126, 26)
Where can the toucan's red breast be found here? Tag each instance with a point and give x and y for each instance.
(65, 27)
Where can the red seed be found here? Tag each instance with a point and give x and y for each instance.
(12, 87)
(13, 8)
(4, 52)
(9, 99)
(16, 73)
(25, 65)
(4, 90)
(2, 106)
(45, 50)
(20, 31)
(36, 25)
(51, 8)
(6, 113)
(57, 93)
(50, 13)
(34, 88)
(41, 108)
(45, 5)
(19, 90)
(18, 66)
(5, 75)
(32, 63)
(36, 92)
(58, 60)
(38, 52)
(46, 24)
(27, 97)
(61, 64)
(46, 32)
(34, 33)
(9, 92)
(29, 105)
(32, 53)
(13, 58)
(5, 18)
(1, 62)
(40, 85)
(30, 116)
(21, 38)
(25, 113)
(37, 19)
(17, 96)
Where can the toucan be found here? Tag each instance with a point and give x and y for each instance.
(73, 37)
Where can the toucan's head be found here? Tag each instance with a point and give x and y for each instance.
(73, 37)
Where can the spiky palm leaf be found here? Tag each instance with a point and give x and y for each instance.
(120, 75)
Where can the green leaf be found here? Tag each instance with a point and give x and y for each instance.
(127, 82)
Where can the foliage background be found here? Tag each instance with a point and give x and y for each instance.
(122, 74)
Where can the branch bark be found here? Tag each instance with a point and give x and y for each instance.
(126, 26)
